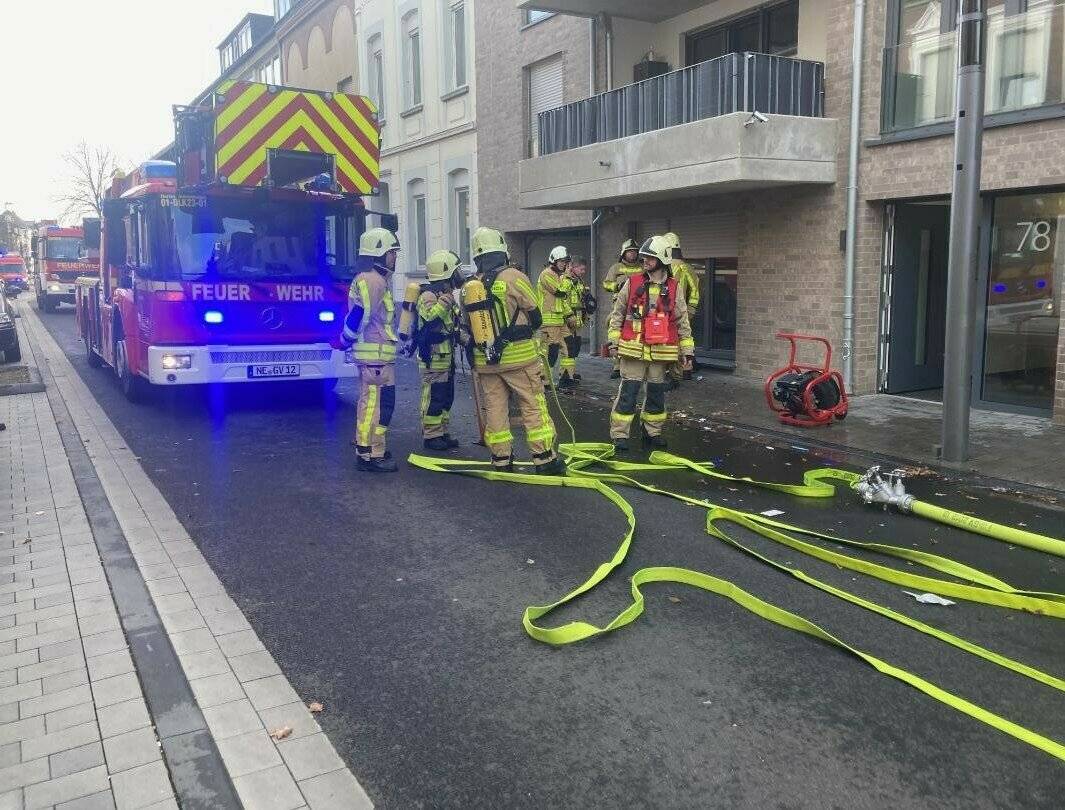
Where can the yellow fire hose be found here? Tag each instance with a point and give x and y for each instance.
(977, 586)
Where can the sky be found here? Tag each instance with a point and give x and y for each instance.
(106, 72)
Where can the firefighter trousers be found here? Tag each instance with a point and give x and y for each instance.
(634, 373)
(558, 342)
(525, 386)
(377, 401)
(438, 395)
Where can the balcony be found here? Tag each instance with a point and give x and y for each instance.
(1025, 69)
(686, 133)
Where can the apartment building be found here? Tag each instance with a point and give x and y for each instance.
(414, 60)
(527, 61)
(760, 200)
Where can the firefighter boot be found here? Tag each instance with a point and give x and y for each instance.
(376, 465)
(555, 466)
(451, 443)
(621, 445)
(438, 444)
(654, 441)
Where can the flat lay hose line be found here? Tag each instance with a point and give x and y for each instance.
(977, 586)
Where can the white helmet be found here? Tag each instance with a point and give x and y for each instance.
(557, 254)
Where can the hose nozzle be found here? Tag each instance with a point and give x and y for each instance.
(886, 488)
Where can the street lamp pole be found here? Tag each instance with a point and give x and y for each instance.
(964, 230)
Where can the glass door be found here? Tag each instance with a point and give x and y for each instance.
(1022, 319)
(714, 325)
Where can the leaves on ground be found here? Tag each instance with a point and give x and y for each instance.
(316, 707)
(675, 600)
(281, 732)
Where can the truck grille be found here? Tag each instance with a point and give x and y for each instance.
(283, 356)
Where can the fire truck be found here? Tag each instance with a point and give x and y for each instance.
(13, 274)
(60, 257)
(231, 263)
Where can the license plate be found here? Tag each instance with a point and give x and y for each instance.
(287, 370)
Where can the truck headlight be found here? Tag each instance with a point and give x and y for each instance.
(55, 288)
(175, 361)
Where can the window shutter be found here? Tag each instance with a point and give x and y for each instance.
(708, 236)
(545, 93)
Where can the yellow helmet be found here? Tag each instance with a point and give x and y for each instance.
(659, 248)
(488, 240)
(627, 245)
(441, 265)
(672, 239)
(377, 242)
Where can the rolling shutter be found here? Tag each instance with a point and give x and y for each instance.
(545, 93)
(708, 236)
(649, 227)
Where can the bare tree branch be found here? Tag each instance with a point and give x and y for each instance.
(88, 173)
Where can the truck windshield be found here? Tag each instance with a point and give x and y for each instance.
(62, 248)
(221, 237)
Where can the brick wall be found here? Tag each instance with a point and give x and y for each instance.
(503, 50)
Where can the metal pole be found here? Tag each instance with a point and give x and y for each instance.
(852, 194)
(964, 230)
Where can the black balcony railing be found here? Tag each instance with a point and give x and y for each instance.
(737, 82)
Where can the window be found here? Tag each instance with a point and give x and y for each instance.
(418, 216)
(773, 30)
(283, 7)
(346, 84)
(376, 73)
(269, 72)
(1023, 59)
(412, 62)
(543, 91)
(455, 45)
(458, 183)
(530, 16)
(382, 203)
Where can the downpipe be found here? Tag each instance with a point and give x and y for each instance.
(847, 349)
(593, 276)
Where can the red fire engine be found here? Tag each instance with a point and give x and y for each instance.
(232, 264)
(60, 257)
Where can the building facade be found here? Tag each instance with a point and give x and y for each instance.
(760, 201)
(414, 59)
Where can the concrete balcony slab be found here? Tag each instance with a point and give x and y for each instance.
(727, 153)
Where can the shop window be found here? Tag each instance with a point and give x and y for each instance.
(1024, 283)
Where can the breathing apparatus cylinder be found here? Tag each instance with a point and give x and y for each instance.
(408, 310)
(478, 306)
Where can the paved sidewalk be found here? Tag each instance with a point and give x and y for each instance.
(1011, 447)
(84, 705)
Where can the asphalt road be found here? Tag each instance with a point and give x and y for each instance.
(396, 601)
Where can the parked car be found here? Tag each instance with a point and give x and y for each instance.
(8, 333)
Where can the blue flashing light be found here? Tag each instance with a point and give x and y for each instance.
(212, 316)
(159, 169)
(1041, 284)
(1000, 288)
(326, 316)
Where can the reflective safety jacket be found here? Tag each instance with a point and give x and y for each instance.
(375, 339)
(687, 280)
(618, 273)
(554, 290)
(578, 289)
(437, 330)
(640, 298)
(513, 297)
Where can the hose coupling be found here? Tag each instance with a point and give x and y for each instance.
(884, 488)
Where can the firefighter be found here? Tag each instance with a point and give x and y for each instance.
(628, 264)
(369, 328)
(503, 316)
(688, 284)
(554, 288)
(582, 304)
(435, 340)
(649, 331)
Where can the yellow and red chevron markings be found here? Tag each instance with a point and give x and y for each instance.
(253, 117)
